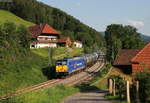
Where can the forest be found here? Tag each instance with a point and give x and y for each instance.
(120, 37)
(39, 13)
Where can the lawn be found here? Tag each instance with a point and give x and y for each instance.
(50, 95)
(28, 70)
(8, 16)
(58, 53)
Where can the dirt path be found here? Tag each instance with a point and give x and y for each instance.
(88, 97)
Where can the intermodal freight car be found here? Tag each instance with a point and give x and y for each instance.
(68, 66)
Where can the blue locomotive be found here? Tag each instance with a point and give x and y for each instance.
(68, 66)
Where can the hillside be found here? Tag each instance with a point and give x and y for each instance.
(8, 16)
(19, 66)
(145, 37)
(38, 12)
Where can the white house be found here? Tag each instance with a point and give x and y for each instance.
(43, 36)
(78, 44)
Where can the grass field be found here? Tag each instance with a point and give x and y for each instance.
(59, 53)
(49, 95)
(8, 16)
(28, 70)
(54, 94)
(24, 72)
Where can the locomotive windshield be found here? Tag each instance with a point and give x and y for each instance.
(61, 62)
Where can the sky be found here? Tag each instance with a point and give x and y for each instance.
(98, 14)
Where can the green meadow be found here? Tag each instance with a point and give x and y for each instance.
(8, 16)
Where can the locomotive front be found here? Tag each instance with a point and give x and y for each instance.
(61, 67)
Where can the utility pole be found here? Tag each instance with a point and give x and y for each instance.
(49, 57)
(137, 92)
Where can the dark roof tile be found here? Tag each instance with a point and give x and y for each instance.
(42, 28)
(124, 56)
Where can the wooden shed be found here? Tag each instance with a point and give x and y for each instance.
(133, 60)
(123, 59)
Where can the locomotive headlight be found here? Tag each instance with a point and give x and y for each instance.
(65, 68)
(57, 68)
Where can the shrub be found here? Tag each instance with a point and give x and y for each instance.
(144, 86)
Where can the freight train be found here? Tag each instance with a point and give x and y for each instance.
(68, 66)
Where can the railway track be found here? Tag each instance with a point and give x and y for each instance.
(72, 80)
(85, 76)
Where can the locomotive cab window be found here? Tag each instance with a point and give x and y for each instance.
(61, 62)
(64, 62)
(58, 62)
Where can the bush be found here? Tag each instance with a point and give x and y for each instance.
(119, 84)
(19, 67)
(144, 84)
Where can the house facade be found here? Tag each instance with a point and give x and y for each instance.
(133, 60)
(43, 36)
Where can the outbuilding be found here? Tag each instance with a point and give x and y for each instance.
(64, 42)
(78, 44)
(133, 60)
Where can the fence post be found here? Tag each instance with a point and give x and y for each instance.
(114, 88)
(137, 92)
(110, 86)
(128, 92)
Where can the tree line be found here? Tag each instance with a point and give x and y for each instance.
(121, 37)
(117, 36)
(38, 13)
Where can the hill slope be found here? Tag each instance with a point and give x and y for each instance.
(8, 16)
(38, 12)
(145, 37)
(19, 67)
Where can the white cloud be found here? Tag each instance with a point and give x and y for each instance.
(136, 23)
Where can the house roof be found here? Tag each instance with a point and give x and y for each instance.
(143, 56)
(124, 56)
(78, 41)
(42, 28)
(63, 40)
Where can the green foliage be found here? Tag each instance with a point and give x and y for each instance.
(19, 67)
(8, 16)
(144, 84)
(119, 84)
(70, 34)
(38, 12)
(121, 37)
(118, 80)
